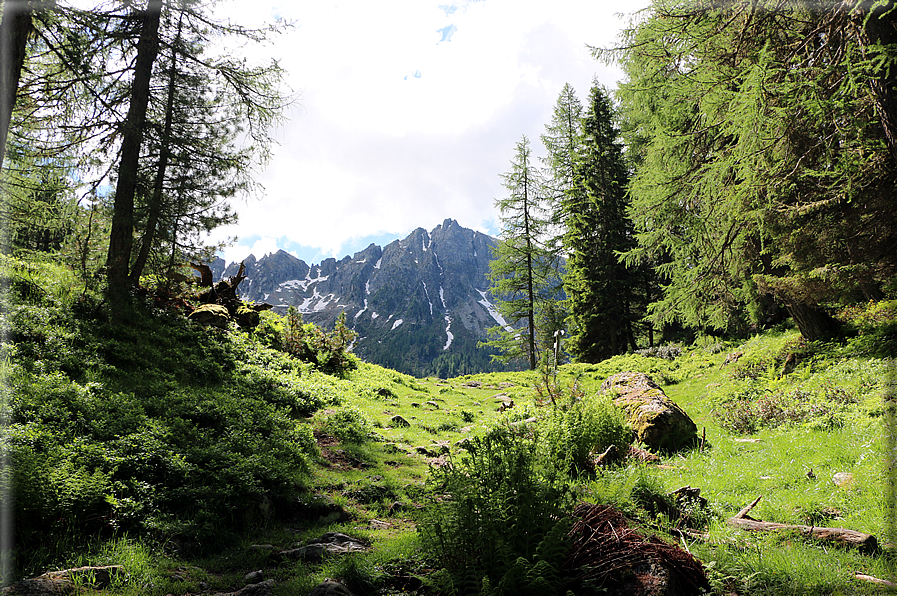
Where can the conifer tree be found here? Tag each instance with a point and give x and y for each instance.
(765, 136)
(596, 283)
(174, 158)
(561, 139)
(520, 269)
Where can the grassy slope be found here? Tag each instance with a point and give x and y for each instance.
(841, 432)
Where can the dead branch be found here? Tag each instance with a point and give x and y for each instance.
(842, 536)
(881, 582)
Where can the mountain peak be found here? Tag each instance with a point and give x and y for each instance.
(418, 304)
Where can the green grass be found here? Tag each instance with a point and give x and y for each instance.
(171, 450)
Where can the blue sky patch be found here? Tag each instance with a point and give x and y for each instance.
(447, 33)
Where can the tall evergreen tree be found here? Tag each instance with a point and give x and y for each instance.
(596, 283)
(121, 237)
(765, 135)
(561, 139)
(520, 270)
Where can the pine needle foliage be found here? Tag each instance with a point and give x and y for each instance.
(764, 137)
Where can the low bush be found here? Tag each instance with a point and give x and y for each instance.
(574, 435)
(349, 425)
(497, 504)
(329, 351)
(146, 423)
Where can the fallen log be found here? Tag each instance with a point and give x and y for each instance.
(865, 542)
(881, 582)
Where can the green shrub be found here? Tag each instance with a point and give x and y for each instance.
(309, 343)
(501, 501)
(588, 427)
(349, 424)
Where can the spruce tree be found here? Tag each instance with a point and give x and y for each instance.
(598, 290)
(561, 139)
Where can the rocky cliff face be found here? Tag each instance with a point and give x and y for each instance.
(419, 305)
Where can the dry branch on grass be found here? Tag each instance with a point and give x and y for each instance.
(865, 542)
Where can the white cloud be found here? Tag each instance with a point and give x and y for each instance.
(410, 109)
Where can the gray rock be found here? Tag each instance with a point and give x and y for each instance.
(330, 544)
(265, 588)
(397, 507)
(254, 577)
(211, 315)
(842, 478)
(57, 583)
(656, 420)
(399, 421)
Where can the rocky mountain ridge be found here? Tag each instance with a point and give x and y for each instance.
(420, 305)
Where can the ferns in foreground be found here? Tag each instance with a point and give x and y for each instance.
(499, 504)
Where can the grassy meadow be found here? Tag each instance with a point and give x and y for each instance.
(171, 449)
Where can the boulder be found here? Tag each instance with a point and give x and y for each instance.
(56, 583)
(264, 588)
(247, 317)
(211, 315)
(655, 419)
(399, 421)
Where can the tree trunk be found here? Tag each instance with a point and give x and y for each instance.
(813, 322)
(15, 27)
(155, 203)
(879, 29)
(865, 542)
(121, 238)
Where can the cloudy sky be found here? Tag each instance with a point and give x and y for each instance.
(408, 111)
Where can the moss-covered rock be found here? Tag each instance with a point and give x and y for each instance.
(656, 420)
(247, 317)
(211, 315)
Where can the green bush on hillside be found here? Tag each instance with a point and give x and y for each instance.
(496, 504)
(349, 425)
(309, 343)
(148, 422)
(576, 434)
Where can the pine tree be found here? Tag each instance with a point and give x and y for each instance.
(520, 270)
(598, 291)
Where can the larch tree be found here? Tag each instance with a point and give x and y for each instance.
(520, 269)
(765, 140)
(126, 92)
(121, 237)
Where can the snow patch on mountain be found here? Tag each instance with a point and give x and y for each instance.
(493, 312)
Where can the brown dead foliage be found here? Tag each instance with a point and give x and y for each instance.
(609, 553)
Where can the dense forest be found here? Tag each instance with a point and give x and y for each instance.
(723, 221)
(743, 175)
